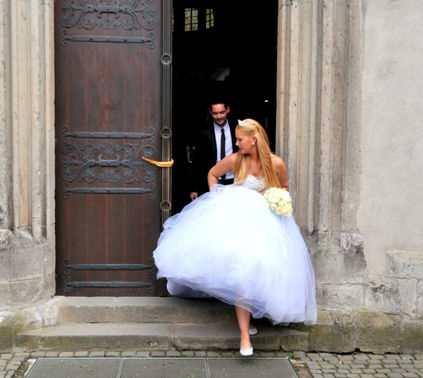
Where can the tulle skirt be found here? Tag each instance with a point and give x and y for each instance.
(229, 245)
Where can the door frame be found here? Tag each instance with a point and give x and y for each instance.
(166, 127)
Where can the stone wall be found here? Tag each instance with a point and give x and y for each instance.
(349, 125)
(27, 260)
(391, 185)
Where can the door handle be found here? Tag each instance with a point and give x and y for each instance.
(161, 164)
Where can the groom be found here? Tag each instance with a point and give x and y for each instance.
(215, 141)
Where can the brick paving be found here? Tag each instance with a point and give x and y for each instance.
(316, 365)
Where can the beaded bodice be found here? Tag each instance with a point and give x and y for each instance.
(254, 183)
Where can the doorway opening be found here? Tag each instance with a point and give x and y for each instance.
(220, 48)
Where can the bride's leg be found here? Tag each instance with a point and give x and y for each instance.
(243, 317)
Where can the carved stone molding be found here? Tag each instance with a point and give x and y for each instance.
(27, 143)
(318, 92)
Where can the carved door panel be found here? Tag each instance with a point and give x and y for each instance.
(112, 64)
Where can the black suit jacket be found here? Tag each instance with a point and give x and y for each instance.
(204, 155)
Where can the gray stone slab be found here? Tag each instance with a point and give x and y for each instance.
(75, 368)
(98, 336)
(143, 309)
(250, 368)
(161, 367)
(164, 368)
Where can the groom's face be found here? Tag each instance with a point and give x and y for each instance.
(219, 112)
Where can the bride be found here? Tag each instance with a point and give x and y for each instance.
(228, 243)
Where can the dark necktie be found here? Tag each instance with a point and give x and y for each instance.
(222, 144)
(222, 147)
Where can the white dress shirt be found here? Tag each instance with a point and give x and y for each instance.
(228, 144)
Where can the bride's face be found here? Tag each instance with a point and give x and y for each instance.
(244, 142)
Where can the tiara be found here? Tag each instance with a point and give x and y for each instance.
(242, 123)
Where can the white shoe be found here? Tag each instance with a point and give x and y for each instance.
(246, 352)
(252, 331)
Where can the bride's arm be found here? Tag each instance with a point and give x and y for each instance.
(281, 172)
(224, 166)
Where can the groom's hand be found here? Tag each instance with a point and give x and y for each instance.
(193, 196)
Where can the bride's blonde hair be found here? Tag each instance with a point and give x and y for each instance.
(249, 127)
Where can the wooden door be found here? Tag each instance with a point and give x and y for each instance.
(112, 64)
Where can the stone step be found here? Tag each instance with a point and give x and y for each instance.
(155, 336)
(142, 310)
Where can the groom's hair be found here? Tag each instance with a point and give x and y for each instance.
(218, 100)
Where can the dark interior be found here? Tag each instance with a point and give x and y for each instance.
(220, 48)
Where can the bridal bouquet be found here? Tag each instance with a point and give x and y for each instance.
(279, 201)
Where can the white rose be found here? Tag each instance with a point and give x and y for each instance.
(285, 196)
(287, 209)
(273, 197)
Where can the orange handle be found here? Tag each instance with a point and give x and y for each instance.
(161, 164)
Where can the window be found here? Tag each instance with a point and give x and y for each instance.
(191, 19)
(209, 18)
(197, 19)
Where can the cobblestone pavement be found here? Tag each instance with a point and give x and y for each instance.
(317, 365)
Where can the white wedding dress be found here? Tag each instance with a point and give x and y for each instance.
(229, 245)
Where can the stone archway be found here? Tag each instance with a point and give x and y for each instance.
(318, 101)
(318, 56)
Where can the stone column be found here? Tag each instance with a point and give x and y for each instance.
(318, 134)
(27, 250)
